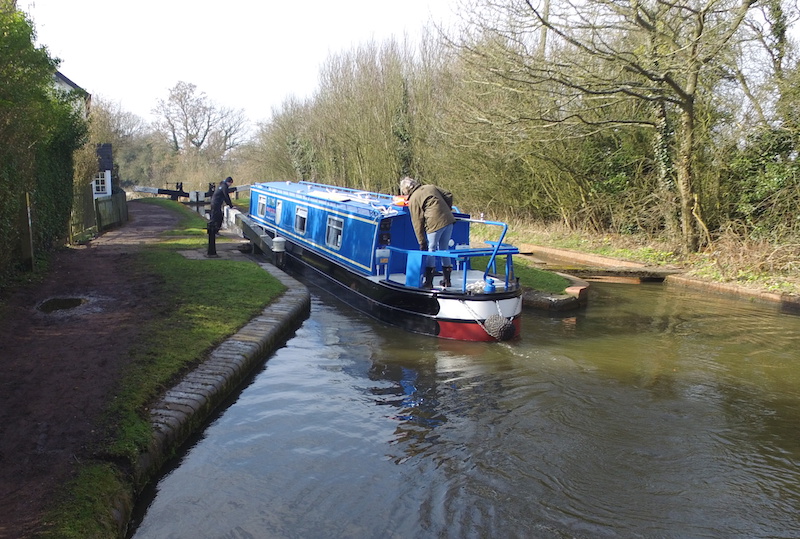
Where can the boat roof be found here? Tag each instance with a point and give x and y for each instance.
(355, 200)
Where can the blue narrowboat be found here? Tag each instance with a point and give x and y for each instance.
(361, 245)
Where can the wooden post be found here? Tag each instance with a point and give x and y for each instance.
(26, 234)
(212, 240)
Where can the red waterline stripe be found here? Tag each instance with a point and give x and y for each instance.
(470, 331)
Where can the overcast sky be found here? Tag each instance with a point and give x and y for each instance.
(244, 54)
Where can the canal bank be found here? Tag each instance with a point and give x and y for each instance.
(62, 370)
(186, 407)
(586, 265)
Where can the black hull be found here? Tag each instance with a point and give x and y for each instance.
(413, 310)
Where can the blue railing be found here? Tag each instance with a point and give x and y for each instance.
(415, 258)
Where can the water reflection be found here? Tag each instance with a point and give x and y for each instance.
(413, 393)
(651, 413)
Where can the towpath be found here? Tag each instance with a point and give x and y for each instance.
(58, 370)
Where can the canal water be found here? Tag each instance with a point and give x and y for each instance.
(654, 412)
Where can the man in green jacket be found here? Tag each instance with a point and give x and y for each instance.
(432, 217)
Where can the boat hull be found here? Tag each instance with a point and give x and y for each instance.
(440, 313)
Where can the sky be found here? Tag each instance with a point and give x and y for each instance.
(244, 54)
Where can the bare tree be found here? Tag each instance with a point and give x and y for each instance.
(361, 129)
(601, 54)
(189, 121)
(110, 123)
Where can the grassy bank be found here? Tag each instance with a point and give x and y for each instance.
(529, 276)
(202, 302)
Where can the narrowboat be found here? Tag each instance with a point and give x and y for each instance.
(361, 246)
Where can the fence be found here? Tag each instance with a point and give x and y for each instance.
(90, 216)
(111, 211)
(83, 220)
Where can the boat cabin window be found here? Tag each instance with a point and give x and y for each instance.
(262, 206)
(333, 235)
(300, 218)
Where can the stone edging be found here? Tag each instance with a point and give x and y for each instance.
(568, 255)
(576, 295)
(185, 407)
(784, 301)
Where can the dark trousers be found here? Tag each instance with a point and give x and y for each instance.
(216, 218)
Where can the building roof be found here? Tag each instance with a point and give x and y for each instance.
(64, 81)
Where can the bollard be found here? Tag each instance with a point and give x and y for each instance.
(279, 251)
(212, 239)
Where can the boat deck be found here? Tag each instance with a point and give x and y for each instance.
(456, 280)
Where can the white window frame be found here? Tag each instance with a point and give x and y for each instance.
(300, 219)
(100, 185)
(333, 232)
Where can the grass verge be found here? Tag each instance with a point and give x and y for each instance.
(756, 264)
(201, 303)
(540, 280)
(529, 277)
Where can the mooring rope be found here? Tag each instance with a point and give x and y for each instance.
(475, 316)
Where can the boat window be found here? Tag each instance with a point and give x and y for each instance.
(300, 218)
(333, 235)
(262, 206)
(278, 211)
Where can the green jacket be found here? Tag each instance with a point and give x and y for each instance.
(430, 209)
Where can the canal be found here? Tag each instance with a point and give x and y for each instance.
(656, 411)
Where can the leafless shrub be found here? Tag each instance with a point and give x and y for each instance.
(735, 255)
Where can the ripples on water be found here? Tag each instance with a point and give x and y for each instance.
(652, 413)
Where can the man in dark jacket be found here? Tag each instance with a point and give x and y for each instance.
(432, 216)
(219, 197)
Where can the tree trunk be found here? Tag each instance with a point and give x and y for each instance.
(663, 157)
(688, 198)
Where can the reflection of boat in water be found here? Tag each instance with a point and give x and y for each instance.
(362, 247)
(410, 393)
